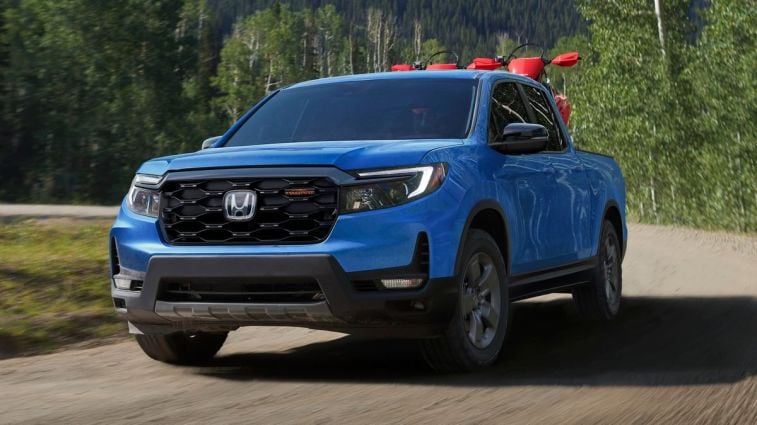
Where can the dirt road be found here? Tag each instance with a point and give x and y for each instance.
(684, 351)
(43, 211)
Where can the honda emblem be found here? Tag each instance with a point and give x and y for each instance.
(239, 205)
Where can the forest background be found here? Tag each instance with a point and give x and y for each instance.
(89, 89)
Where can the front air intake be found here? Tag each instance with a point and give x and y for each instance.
(241, 290)
(115, 263)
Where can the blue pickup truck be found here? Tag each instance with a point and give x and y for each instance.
(414, 205)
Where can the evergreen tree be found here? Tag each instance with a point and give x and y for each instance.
(88, 102)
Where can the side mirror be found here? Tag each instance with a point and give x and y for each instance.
(210, 142)
(519, 138)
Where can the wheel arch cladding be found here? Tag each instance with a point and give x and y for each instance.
(488, 217)
(612, 214)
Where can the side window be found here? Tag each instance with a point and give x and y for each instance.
(506, 108)
(545, 116)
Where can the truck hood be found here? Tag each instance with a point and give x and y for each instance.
(346, 155)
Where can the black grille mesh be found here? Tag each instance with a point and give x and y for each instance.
(272, 290)
(289, 210)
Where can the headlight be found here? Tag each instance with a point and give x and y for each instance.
(142, 200)
(392, 187)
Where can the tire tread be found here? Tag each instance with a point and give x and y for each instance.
(178, 348)
(451, 352)
(590, 299)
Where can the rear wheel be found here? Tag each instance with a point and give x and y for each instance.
(600, 299)
(182, 347)
(475, 335)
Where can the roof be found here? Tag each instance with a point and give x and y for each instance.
(457, 74)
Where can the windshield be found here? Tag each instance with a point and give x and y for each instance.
(363, 110)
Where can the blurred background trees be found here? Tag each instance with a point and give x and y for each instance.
(89, 89)
(681, 118)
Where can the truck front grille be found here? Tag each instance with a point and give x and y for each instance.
(288, 210)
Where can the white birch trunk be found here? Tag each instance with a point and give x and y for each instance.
(660, 27)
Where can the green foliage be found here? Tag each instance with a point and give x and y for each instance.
(429, 47)
(564, 79)
(468, 27)
(89, 89)
(506, 45)
(722, 104)
(53, 285)
(681, 124)
(329, 42)
(272, 48)
(620, 98)
(89, 102)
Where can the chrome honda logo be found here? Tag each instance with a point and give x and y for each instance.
(239, 205)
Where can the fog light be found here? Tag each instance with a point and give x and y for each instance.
(401, 283)
(122, 283)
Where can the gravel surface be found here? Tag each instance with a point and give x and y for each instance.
(683, 351)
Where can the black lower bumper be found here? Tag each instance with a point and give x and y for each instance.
(347, 307)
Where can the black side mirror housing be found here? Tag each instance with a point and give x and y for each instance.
(210, 141)
(521, 138)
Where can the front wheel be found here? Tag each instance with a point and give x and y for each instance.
(600, 299)
(182, 347)
(475, 335)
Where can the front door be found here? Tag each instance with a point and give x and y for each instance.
(569, 221)
(526, 181)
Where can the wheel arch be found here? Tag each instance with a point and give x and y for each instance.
(612, 214)
(489, 217)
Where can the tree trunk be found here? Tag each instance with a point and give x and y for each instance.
(352, 65)
(417, 39)
(660, 27)
(269, 82)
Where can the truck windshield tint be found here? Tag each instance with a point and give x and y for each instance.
(363, 110)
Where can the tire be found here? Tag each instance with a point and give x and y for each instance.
(600, 299)
(476, 333)
(183, 347)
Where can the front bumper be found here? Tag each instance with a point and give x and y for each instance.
(413, 312)
(378, 243)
